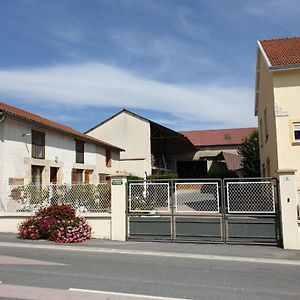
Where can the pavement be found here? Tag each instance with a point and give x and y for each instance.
(101, 269)
(191, 250)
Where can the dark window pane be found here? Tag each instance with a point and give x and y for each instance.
(297, 134)
(38, 144)
(80, 152)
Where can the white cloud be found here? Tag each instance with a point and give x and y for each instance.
(102, 85)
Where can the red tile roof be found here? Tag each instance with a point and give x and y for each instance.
(46, 123)
(217, 137)
(282, 52)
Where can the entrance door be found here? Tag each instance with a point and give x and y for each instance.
(53, 175)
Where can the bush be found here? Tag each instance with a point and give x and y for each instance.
(169, 175)
(57, 223)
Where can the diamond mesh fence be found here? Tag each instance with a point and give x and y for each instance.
(85, 198)
(250, 197)
(197, 197)
(149, 197)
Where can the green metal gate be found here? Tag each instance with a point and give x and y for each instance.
(204, 210)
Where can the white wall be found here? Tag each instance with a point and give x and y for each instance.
(59, 152)
(131, 134)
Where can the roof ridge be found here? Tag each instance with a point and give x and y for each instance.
(279, 39)
(219, 129)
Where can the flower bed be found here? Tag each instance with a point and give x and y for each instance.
(57, 223)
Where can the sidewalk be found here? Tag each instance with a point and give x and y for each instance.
(166, 248)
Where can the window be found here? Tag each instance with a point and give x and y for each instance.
(108, 157)
(36, 175)
(79, 152)
(77, 176)
(266, 125)
(37, 144)
(296, 127)
(261, 136)
(88, 176)
(103, 177)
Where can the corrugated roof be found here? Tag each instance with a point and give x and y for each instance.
(218, 137)
(233, 161)
(41, 121)
(284, 52)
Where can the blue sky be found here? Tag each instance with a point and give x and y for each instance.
(186, 64)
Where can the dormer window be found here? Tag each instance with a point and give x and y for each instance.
(79, 152)
(37, 144)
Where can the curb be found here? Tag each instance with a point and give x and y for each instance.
(156, 253)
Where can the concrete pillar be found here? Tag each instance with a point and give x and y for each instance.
(118, 207)
(288, 204)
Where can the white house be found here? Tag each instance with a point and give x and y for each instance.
(149, 146)
(36, 149)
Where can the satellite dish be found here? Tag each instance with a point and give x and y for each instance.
(2, 115)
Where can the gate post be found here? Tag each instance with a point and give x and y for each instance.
(118, 207)
(288, 205)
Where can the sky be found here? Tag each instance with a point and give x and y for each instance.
(186, 64)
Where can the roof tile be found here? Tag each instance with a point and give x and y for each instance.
(51, 124)
(282, 52)
(217, 137)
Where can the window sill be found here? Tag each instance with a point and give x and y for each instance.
(296, 143)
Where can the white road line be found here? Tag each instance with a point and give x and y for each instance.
(289, 262)
(139, 296)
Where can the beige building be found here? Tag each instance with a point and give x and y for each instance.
(216, 152)
(277, 105)
(149, 146)
(35, 149)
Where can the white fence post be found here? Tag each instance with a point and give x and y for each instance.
(288, 203)
(118, 207)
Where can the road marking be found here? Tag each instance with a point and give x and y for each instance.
(139, 296)
(13, 260)
(289, 262)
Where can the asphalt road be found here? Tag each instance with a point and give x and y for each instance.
(145, 275)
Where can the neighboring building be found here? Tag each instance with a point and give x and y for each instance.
(149, 146)
(277, 105)
(216, 152)
(35, 149)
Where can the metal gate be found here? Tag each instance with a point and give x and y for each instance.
(204, 210)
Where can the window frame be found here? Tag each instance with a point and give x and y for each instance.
(38, 148)
(79, 150)
(294, 131)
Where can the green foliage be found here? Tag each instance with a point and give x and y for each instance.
(133, 177)
(169, 175)
(249, 150)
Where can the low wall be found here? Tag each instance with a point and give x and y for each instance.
(101, 224)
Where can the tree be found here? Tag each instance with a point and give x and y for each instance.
(249, 150)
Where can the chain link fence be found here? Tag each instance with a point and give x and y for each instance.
(149, 196)
(197, 197)
(85, 198)
(250, 197)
